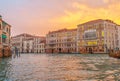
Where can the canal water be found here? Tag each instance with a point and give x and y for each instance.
(60, 67)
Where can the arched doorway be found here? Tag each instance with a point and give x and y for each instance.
(90, 50)
(52, 50)
(60, 50)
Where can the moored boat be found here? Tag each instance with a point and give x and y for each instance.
(115, 54)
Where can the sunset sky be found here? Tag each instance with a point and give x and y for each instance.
(38, 17)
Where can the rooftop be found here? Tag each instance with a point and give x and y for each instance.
(23, 34)
(27, 35)
(3, 22)
(97, 21)
(63, 30)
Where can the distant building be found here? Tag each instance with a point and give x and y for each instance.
(98, 36)
(61, 41)
(41, 46)
(27, 43)
(18, 41)
(37, 44)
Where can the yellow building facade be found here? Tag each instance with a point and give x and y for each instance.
(96, 36)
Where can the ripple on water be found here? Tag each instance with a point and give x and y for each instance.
(60, 67)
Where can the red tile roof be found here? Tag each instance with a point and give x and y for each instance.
(24, 34)
(97, 21)
(27, 35)
(63, 30)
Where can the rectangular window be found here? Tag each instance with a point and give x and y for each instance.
(90, 34)
(7, 30)
(0, 26)
(0, 40)
(4, 40)
(103, 34)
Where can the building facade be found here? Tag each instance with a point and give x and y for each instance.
(37, 44)
(41, 46)
(18, 41)
(27, 43)
(28, 46)
(61, 41)
(118, 31)
(98, 36)
(5, 33)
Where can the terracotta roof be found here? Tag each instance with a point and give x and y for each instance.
(23, 34)
(97, 21)
(118, 25)
(28, 35)
(63, 30)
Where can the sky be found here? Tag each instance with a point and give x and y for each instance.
(38, 17)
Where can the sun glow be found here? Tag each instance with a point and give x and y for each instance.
(86, 13)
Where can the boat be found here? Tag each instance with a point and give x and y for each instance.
(115, 54)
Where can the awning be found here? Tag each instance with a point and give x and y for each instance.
(4, 36)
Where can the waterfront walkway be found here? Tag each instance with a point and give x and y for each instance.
(60, 67)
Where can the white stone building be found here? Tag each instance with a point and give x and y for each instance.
(42, 46)
(19, 39)
(27, 43)
(28, 46)
(37, 44)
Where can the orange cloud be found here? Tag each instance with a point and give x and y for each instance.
(106, 1)
(86, 13)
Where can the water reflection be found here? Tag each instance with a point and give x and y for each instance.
(5, 68)
(45, 67)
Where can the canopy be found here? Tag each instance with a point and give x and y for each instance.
(4, 36)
